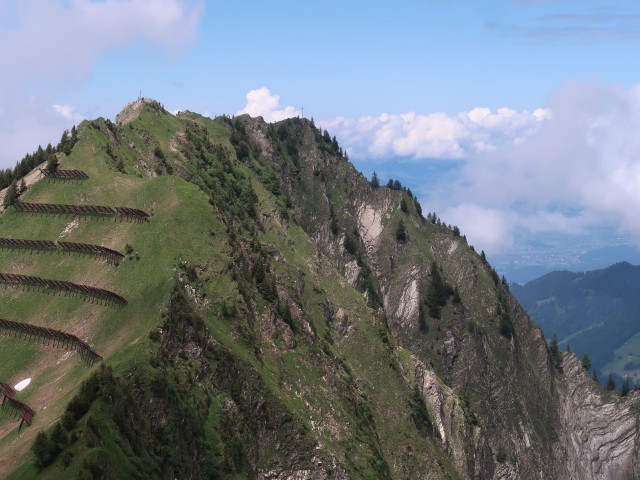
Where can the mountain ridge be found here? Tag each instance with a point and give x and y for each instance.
(291, 298)
(595, 312)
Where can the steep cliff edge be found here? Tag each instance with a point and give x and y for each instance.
(479, 362)
(287, 319)
(600, 431)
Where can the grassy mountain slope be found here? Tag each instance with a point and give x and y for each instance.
(119, 334)
(286, 319)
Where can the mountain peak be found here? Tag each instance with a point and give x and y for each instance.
(131, 110)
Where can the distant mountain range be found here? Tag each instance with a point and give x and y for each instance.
(524, 266)
(596, 312)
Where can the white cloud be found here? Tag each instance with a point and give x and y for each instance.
(568, 169)
(579, 171)
(48, 46)
(261, 103)
(60, 40)
(68, 112)
(435, 135)
(484, 227)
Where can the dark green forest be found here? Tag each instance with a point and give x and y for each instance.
(594, 312)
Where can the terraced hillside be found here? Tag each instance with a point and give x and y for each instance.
(145, 278)
(284, 319)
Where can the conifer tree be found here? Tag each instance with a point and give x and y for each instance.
(437, 292)
(403, 206)
(401, 232)
(375, 181)
(42, 448)
(611, 383)
(625, 387)
(418, 207)
(52, 162)
(11, 195)
(586, 362)
(553, 347)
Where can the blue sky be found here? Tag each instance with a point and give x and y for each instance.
(516, 120)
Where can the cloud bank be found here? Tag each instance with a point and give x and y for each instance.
(579, 172)
(47, 46)
(568, 169)
(435, 135)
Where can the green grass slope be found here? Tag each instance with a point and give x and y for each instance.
(144, 278)
(286, 319)
(226, 361)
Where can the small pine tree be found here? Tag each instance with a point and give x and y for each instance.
(625, 387)
(63, 141)
(11, 195)
(350, 244)
(506, 324)
(375, 181)
(586, 362)
(52, 162)
(418, 207)
(401, 232)
(611, 383)
(59, 439)
(553, 348)
(438, 292)
(42, 448)
(494, 276)
(403, 206)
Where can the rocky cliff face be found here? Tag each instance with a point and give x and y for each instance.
(131, 111)
(319, 326)
(500, 407)
(600, 431)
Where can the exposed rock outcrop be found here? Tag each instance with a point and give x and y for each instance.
(131, 111)
(600, 430)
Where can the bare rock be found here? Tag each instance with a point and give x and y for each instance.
(131, 111)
